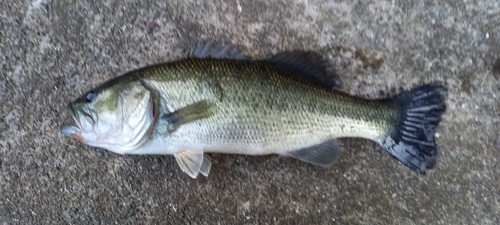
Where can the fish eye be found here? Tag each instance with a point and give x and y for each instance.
(91, 96)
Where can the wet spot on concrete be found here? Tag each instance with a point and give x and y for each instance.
(374, 61)
(150, 25)
(496, 69)
(466, 79)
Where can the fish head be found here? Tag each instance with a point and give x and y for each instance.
(119, 117)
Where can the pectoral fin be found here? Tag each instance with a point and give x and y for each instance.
(323, 154)
(193, 162)
(188, 114)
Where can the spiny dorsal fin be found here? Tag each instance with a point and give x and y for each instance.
(310, 66)
(208, 50)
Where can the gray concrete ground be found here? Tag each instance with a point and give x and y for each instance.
(53, 51)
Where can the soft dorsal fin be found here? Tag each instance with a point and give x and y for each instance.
(208, 50)
(310, 66)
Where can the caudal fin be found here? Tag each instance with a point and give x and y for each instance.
(412, 139)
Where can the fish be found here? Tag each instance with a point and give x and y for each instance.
(218, 100)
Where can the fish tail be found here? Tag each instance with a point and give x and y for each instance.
(412, 138)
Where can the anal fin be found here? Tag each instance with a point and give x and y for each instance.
(323, 154)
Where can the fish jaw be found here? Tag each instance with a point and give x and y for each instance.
(71, 130)
(123, 140)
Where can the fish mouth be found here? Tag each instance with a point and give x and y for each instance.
(72, 130)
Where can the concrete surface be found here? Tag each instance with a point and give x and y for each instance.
(53, 51)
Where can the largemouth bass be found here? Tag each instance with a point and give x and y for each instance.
(220, 101)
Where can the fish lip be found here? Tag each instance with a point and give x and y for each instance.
(69, 129)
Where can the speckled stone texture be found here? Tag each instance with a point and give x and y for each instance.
(53, 51)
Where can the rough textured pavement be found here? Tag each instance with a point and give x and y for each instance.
(53, 51)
